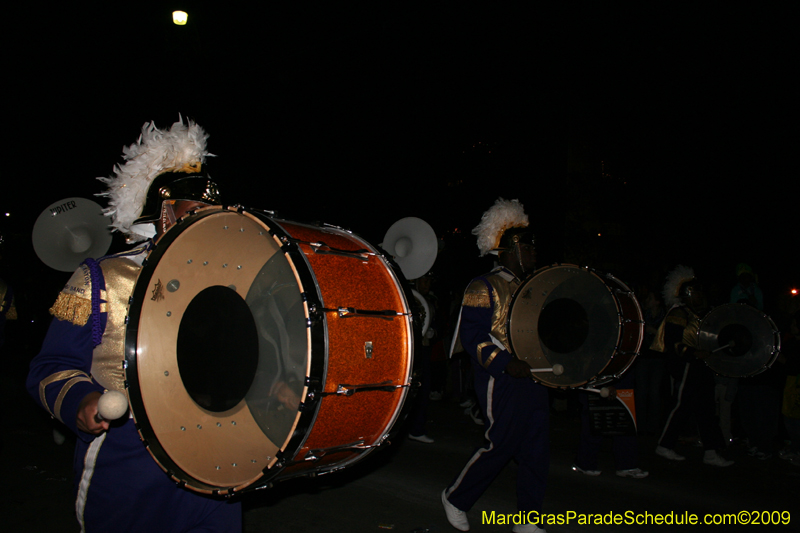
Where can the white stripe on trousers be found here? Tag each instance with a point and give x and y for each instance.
(86, 478)
(677, 405)
(480, 452)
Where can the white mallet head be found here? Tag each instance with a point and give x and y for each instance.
(112, 405)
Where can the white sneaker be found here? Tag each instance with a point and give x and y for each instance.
(474, 413)
(666, 453)
(527, 528)
(712, 458)
(456, 517)
(635, 473)
(421, 438)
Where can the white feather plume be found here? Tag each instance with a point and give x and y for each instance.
(155, 152)
(675, 279)
(503, 215)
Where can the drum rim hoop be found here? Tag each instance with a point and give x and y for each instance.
(600, 378)
(309, 409)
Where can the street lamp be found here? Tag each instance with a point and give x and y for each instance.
(180, 17)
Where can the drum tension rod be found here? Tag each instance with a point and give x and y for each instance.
(358, 446)
(322, 248)
(345, 389)
(345, 312)
(316, 455)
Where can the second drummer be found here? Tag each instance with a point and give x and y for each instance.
(514, 406)
(694, 382)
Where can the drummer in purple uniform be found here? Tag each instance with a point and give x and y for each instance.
(514, 406)
(677, 338)
(119, 487)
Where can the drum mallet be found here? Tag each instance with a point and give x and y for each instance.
(111, 406)
(604, 392)
(729, 345)
(556, 369)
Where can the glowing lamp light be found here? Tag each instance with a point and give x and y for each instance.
(794, 292)
(180, 18)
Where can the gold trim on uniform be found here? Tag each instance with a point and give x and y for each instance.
(11, 314)
(6, 306)
(677, 320)
(120, 274)
(491, 358)
(72, 309)
(685, 318)
(503, 285)
(690, 331)
(477, 295)
(481, 346)
(502, 290)
(63, 393)
(658, 342)
(52, 378)
(74, 302)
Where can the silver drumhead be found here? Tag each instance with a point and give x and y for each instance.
(743, 340)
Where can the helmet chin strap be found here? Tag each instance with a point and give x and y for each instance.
(167, 219)
(515, 259)
(518, 254)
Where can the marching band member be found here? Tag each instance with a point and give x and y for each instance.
(694, 382)
(119, 487)
(514, 406)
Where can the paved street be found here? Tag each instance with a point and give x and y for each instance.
(397, 489)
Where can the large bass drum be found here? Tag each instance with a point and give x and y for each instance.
(743, 341)
(259, 349)
(590, 324)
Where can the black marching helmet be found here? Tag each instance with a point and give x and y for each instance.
(177, 186)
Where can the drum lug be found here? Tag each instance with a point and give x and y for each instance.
(288, 244)
(315, 313)
(314, 384)
(316, 455)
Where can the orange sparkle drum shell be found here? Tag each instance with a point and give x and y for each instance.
(361, 350)
(589, 323)
(259, 349)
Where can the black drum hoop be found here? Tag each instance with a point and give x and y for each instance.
(628, 329)
(720, 325)
(309, 406)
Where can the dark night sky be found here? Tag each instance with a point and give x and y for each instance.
(361, 116)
